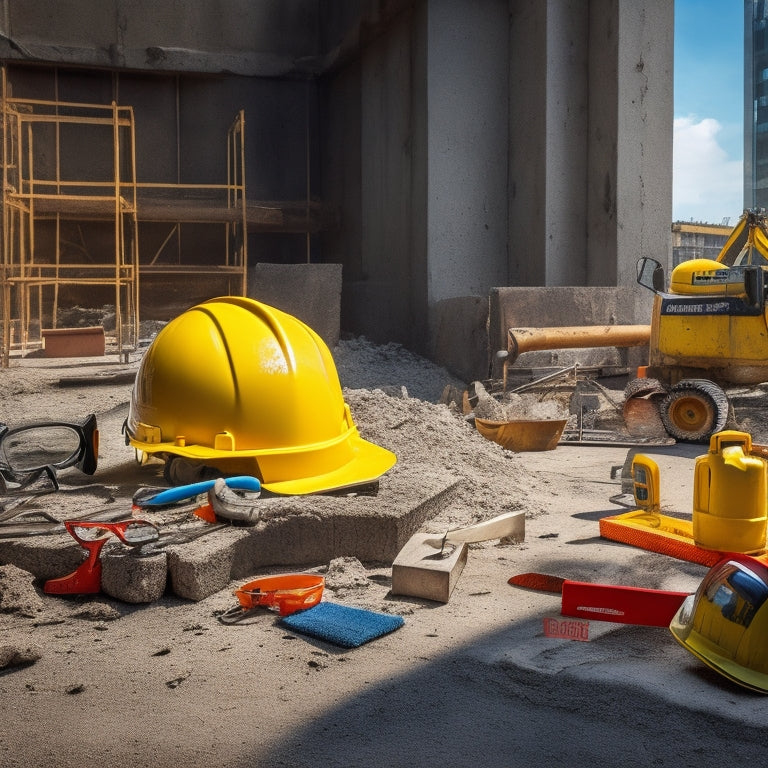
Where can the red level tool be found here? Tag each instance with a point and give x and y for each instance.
(607, 602)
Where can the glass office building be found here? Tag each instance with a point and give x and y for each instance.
(755, 103)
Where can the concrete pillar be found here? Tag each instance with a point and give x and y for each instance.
(467, 50)
(590, 182)
(604, 144)
(433, 167)
(643, 167)
(548, 142)
(567, 97)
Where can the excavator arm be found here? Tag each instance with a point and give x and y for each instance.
(748, 243)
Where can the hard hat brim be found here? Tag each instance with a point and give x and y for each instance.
(292, 472)
(370, 462)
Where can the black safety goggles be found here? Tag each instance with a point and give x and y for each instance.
(29, 448)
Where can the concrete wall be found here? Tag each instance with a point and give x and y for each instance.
(548, 135)
(369, 163)
(270, 38)
(630, 138)
(460, 336)
(311, 292)
(469, 331)
(559, 306)
(590, 140)
(469, 144)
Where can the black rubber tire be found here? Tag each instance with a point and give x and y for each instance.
(694, 410)
(641, 387)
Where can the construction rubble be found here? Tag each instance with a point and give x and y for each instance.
(438, 559)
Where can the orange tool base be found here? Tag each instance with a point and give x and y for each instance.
(663, 534)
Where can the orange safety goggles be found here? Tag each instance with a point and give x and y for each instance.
(287, 593)
(92, 535)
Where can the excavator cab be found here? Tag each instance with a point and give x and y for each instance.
(706, 277)
(708, 329)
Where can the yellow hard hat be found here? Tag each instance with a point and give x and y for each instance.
(725, 624)
(235, 384)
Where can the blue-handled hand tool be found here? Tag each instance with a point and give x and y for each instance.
(181, 492)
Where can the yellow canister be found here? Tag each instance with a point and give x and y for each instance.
(730, 506)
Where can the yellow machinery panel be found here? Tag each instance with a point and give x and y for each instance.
(706, 277)
(699, 336)
(724, 331)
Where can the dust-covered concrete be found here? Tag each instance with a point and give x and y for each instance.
(472, 681)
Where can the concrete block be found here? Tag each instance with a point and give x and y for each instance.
(74, 342)
(459, 336)
(522, 307)
(46, 557)
(310, 292)
(204, 566)
(418, 573)
(132, 577)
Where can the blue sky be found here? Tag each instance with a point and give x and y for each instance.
(709, 110)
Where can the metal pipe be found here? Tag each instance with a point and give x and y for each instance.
(521, 340)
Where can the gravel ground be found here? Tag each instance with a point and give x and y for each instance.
(470, 682)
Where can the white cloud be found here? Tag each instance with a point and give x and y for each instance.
(706, 184)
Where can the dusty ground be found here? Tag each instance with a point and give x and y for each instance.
(473, 682)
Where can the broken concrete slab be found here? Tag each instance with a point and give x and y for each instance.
(130, 576)
(292, 531)
(46, 557)
(303, 531)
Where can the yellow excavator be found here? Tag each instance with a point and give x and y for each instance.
(708, 329)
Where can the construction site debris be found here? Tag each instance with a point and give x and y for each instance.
(561, 494)
(420, 571)
(514, 406)
(14, 656)
(18, 594)
(344, 574)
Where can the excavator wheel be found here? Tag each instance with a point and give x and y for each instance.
(643, 388)
(641, 408)
(694, 410)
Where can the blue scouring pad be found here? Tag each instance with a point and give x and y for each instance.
(341, 624)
